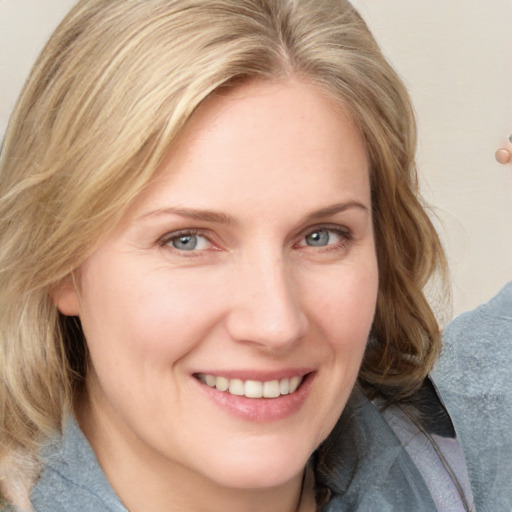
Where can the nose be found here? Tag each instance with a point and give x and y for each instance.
(266, 308)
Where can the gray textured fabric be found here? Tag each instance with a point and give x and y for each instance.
(72, 479)
(421, 447)
(362, 463)
(367, 468)
(474, 377)
(381, 458)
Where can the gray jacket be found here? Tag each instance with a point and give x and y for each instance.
(474, 377)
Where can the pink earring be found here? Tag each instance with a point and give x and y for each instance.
(504, 155)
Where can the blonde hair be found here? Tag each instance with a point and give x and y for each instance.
(110, 91)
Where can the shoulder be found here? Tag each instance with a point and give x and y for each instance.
(480, 341)
(70, 477)
(473, 376)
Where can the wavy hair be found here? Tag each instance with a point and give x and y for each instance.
(109, 93)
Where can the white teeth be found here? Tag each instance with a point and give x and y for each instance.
(210, 380)
(294, 383)
(236, 387)
(284, 386)
(221, 384)
(252, 388)
(271, 389)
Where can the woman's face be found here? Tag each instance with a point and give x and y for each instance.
(227, 315)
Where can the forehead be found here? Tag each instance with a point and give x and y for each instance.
(264, 139)
(272, 114)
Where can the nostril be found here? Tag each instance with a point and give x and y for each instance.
(273, 331)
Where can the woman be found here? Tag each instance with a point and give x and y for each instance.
(212, 247)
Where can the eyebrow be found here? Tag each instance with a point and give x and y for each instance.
(191, 213)
(223, 218)
(334, 209)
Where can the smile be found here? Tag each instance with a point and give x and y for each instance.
(252, 388)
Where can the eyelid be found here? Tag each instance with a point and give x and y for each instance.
(336, 228)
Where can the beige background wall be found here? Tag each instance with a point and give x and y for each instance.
(456, 57)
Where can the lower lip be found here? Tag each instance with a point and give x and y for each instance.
(261, 409)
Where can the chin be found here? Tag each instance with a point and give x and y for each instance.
(262, 465)
(249, 477)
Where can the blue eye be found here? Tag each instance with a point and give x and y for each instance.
(187, 242)
(319, 238)
(322, 238)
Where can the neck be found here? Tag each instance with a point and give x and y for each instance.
(144, 481)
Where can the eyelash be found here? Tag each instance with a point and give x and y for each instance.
(344, 234)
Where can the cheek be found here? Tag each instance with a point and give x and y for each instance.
(345, 300)
(144, 316)
(343, 309)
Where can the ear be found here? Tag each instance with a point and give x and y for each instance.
(65, 297)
